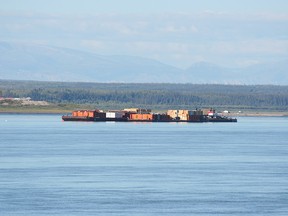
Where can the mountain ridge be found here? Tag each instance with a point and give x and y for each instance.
(21, 61)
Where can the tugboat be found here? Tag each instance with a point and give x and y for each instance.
(212, 116)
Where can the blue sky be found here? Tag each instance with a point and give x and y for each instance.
(145, 6)
(176, 32)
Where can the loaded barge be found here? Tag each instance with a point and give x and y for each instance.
(145, 115)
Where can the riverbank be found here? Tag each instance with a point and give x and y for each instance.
(37, 109)
(68, 109)
(258, 113)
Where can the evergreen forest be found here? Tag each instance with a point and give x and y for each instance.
(155, 96)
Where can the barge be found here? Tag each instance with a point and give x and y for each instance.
(145, 115)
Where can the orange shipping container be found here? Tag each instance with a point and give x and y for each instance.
(141, 116)
(91, 114)
(84, 113)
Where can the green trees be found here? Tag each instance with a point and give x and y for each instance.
(156, 96)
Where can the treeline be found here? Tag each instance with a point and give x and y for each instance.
(156, 96)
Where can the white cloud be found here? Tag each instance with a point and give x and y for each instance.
(179, 39)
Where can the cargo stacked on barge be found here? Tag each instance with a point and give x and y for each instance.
(146, 115)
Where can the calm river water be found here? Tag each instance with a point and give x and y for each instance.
(50, 167)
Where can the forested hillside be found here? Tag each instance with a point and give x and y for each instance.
(156, 96)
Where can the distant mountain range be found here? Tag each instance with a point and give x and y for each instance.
(46, 63)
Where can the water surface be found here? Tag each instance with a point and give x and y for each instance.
(50, 167)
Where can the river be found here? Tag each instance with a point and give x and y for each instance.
(51, 167)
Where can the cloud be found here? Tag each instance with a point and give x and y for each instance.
(174, 38)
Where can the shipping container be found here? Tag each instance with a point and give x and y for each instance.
(161, 117)
(131, 110)
(100, 115)
(138, 116)
(80, 113)
(194, 118)
(85, 113)
(114, 114)
(196, 112)
(138, 110)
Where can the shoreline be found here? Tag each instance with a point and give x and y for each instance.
(259, 114)
(58, 112)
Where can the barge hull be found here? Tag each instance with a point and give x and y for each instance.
(91, 119)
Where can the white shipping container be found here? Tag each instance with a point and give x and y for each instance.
(114, 115)
(110, 115)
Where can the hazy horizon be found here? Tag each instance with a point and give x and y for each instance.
(177, 33)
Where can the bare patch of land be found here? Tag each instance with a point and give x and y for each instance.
(26, 105)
